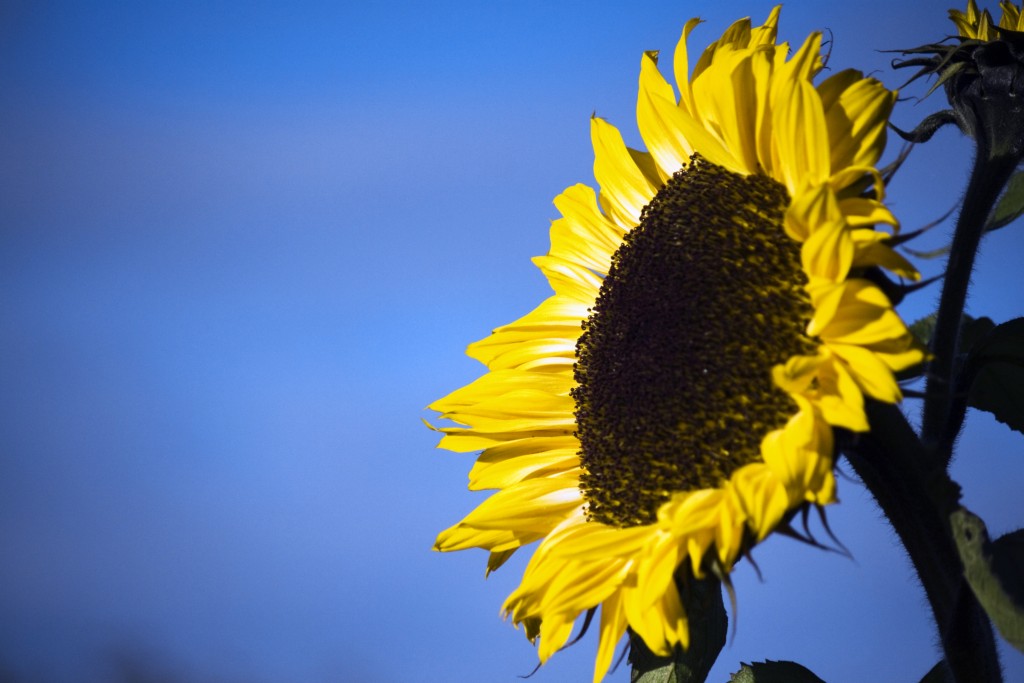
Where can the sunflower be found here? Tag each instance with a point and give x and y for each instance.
(976, 25)
(715, 318)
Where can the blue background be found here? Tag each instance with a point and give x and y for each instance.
(242, 245)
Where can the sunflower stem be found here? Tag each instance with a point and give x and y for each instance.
(918, 502)
(944, 410)
(708, 624)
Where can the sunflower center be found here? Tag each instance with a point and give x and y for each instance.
(673, 370)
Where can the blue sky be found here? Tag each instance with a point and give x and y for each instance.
(242, 245)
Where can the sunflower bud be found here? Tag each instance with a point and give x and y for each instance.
(983, 76)
(987, 95)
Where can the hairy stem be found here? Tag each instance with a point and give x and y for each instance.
(918, 501)
(943, 409)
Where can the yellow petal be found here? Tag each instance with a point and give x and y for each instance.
(860, 212)
(800, 456)
(801, 137)
(622, 182)
(555, 630)
(671, 135)
(865, 317)
(767, 33)
(827, 253)
(857, 115)
(583, 585)
(534, 505)
(488, 473)
(613, 626)
(656, 567)
(681, 67)
(583, 235)
(797, 373)
(873, 376)
(759, 492)
(730, 105)
(596, 541)
(840, 398)
(569, 279)
(496, 559)
(461, 537)
(871, 249)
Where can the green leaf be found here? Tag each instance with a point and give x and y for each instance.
(645, 673)
(994, 371)
(924, 329)
(774, 672)
(1005, 341)
(1010, 206)
(998, 388)
(995, 572)
(1008, 556)
(971, 329)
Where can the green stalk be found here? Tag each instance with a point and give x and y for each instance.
(918, 501)
(944, 409)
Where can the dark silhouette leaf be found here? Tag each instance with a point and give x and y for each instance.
(774, 672)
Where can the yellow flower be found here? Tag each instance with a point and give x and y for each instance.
(713, 321)
(978, 25)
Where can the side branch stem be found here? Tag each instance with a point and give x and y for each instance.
(889, 460)
(943, 415)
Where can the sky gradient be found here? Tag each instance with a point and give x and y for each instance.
(243, 245)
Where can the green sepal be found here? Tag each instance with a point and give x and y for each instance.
(929, 255)
(1010, 206)
(994, 372)
(995, 572)
(945, 75)
(926, 129)
(774, 672)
